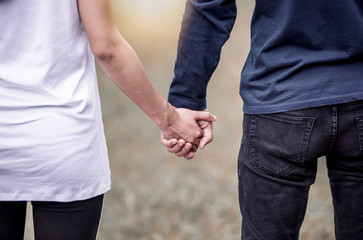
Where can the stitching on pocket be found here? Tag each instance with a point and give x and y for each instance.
(308, 128)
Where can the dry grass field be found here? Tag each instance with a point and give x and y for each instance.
(156, 196)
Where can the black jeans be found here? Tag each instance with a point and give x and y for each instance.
(78, 220)
(278, 162)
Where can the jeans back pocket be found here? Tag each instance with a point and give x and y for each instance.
(278, 142)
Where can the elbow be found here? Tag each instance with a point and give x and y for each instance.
(104, 52)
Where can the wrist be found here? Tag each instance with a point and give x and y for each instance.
(167, 117)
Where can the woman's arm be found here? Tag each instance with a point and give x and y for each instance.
(119, 61)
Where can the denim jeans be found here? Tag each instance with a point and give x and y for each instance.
(277, 164)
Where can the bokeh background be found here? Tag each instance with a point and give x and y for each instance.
(155, 195)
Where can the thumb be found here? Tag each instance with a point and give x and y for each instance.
(207, 133)
(206, 116)
(205, 140)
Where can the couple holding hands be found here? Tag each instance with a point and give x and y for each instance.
(301, 88)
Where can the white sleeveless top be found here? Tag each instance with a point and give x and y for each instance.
(52, 144)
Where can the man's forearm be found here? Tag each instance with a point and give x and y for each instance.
(206, 27)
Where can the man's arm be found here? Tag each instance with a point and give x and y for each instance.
(206, 26)
(122, 65)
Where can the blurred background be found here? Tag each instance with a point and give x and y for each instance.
(155, 195)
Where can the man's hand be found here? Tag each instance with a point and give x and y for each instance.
(207, 137)
(182, 148)
(183, 124)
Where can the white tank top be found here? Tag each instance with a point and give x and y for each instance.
(52, 144)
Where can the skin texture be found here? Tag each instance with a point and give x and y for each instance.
(179, 127)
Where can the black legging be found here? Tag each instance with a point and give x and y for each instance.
(78, 220)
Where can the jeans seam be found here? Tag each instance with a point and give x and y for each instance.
(333, 129)
(359, 123)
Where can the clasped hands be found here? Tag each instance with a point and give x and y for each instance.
(188, 131)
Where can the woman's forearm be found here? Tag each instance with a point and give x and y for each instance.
(125, 69)
(119, 61)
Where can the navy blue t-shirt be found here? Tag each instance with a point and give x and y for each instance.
(303, 54)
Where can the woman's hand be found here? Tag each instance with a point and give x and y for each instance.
(203, 134)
